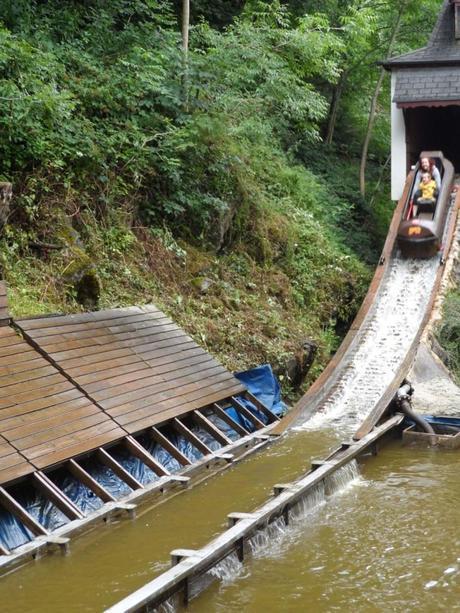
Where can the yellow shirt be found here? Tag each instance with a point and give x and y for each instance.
(427, 189)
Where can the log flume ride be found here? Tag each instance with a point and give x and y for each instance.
(358, 389)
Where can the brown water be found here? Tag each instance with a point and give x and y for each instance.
(389, 542)
(378, 546)
(112, 561)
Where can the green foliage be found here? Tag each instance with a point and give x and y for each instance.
(448, 332)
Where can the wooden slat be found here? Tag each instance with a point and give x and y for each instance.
(118, 469)
(11, 505)
(4, 315)
(261, 407)
(164, 442)
(239, 406)
(58, 498)
(190, 436)
(219, 411)
(213, 430)
(80, 473)
(144, 456)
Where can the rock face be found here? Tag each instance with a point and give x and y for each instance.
(297, 366)
(6, 193)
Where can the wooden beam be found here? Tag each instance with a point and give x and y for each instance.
(164, 442)
(224, 416)
(207, 425)
(4, 551)
(56, 496)
(192, 438)
(261, 407)
(118, 469)
(144, 456)
(7, 501)
(80, 473)
(239, 406)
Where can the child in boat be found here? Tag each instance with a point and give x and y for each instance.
(427, 191)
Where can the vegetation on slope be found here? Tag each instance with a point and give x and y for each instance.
(202, 186)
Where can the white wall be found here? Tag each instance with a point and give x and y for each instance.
(398, 147)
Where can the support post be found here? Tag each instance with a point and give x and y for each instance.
(144, 456)
(56, 496)
(220, 412)
(191, 437)
(207, 425)
(118, 469)
(80, 473)
(239, 406)
(164, 442)
(11, 505)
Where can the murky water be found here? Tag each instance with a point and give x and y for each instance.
(390, 541)
(112, 561)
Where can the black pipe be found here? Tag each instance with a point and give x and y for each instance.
(423, 425)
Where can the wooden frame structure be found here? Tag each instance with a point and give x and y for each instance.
(78, 387)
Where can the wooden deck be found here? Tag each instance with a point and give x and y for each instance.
(4, 315)
(44, 418)
(135, 363)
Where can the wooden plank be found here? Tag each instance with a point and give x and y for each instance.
(22, 408)
(261, 407)
(55, 420)
(32, 323)
(164, 442)
(213, 430)
(240, 408)
(110, 398)
(93, 439)
(144, 456)
(118, 469)
(154, 413)
(11, 505)
(81, 438)
(127, 339)
(134, 380)
(190, 436)
(63, 327)
(80, 473)
(83, 331)
(219, 411)
(4, 551)
(58, 498)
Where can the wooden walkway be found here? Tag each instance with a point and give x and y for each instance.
(4, 315)
(135, 363)
(43, 416)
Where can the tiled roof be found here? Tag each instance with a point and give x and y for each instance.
(427, 84)
(442, 48)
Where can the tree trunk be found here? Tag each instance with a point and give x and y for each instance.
(185, 33)
(334, 107)
(373, 107)
(185, 26)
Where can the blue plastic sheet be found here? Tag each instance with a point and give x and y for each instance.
(263, 384)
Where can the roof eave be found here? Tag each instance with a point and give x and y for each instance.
(390, 64)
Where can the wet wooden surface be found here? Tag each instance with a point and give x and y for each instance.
(4, 316)
(43, 416)
(135, 363)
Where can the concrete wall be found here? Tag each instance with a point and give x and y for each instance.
(398, 147)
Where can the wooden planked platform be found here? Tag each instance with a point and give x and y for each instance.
(135, 363)
(4, 315)
(44, 418)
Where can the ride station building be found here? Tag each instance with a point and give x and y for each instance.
(425, 91)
